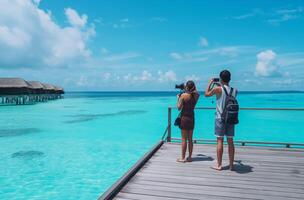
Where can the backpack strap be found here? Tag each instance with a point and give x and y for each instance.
(231, 92)
(225, 90)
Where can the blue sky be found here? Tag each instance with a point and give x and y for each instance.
(151, 45)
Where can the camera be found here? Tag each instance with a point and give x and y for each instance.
(216, 79)
(180, 86)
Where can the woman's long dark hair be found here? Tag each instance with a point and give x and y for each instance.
(190, 86)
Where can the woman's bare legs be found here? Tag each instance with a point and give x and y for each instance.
(184, 146)
(190, 145)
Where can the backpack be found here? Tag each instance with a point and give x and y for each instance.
(231, 109)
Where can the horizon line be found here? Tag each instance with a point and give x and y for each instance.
(281, 91)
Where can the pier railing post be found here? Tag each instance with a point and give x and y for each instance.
(169, 125)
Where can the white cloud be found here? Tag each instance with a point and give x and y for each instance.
(282, 18)
(287, 82)
(145, 76)
(245, 16)
(289, 11)
(128, 77)
(37, 2)
(273, 17)
(284, 15)
(83, 81)
(229, 51)
(122, 56)
(74, 18)
(106, 76)
(203, 42)
(166, 76)
(266, 64)
(14, 37)
(176, 56)
(31, 38)
(213, 54)
(123, 23)
(192, 77)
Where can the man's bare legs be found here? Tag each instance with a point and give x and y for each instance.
(184, 146)
(190, 145)
(231, 152)
(219, 152)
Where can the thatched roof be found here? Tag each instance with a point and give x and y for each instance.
(13, 86)
(35, 84)
(59, 90)
(48, 86)
(13, 83)
(17, 86)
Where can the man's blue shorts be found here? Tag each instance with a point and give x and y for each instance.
(222, 129)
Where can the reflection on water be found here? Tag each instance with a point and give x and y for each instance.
(17, 132)
(27, 154)
(89, 117)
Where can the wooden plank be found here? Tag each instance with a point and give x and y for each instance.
(240, 150)
(241, 171)
(298, 183)
(180, 195)
(264, 173)
(135, 196)
(219, 184)
(274, 177)
(203, 194)
(224, 190)
(288, 156)
(214, 181)
(253, 159)
(265, 154)
(240, 166)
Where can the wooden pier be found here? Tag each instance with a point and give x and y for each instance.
(263, 170)
(260, 173)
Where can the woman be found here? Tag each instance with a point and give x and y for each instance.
(186, 103)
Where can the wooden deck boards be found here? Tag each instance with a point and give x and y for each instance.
(261, 173)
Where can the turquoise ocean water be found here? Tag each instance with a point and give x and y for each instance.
(75, 148)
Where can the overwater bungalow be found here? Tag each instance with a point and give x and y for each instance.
(18, 91)
(13, 86)
(50, 90)
(14, 91)
(36, 87)
(38, 91)
(59, 90)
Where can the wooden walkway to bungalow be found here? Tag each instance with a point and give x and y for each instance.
(261, 173)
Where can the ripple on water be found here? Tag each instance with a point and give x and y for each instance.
(17, 132)
(89, 117)
(27, 154)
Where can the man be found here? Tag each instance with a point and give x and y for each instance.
(221, 128)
